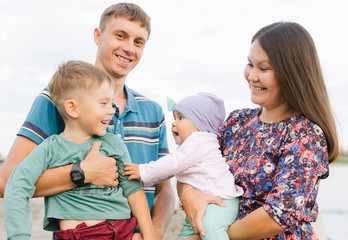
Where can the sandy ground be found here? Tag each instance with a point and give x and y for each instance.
(172, 232)
(39, 234)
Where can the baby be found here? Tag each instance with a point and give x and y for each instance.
(197, 162)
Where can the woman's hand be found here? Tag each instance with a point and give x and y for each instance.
(194, 203)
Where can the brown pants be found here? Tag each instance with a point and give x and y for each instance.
(106, 230)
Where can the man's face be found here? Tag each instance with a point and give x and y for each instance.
(120, 46)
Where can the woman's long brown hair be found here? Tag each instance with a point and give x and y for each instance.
(293, 56)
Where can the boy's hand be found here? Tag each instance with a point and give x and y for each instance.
(137, 236)
(132, 170)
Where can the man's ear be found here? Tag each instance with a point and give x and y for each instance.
(97, 34)
(70, 107)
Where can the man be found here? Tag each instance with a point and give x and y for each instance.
(121, 37)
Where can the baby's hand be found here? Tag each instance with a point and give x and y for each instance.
(132, 170)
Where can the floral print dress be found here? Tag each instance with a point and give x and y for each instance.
(279, 166)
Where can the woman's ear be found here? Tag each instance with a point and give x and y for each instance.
(70, 107)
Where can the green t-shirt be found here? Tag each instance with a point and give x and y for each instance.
(86, 202)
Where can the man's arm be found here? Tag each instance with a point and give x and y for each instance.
(163, 208)
(99, 170)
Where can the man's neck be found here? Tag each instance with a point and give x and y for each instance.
(120, 95)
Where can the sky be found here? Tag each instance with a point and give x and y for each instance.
(195, 46)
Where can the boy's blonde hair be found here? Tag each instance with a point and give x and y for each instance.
(72, 79)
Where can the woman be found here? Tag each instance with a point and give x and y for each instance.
(280, 151)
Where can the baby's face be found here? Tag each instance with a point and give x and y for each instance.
(182, 128)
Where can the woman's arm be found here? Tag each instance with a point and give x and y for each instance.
(257, 225)
(140, 209)
(194, 203)
(99, 170)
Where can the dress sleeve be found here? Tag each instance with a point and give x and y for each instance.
(43, 119)
(302, 163)
(224, 134)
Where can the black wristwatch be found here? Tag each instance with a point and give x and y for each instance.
(77, 175)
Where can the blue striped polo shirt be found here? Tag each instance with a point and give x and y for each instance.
(141, 125)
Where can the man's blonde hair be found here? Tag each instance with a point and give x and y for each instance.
(130, 11)
(73, 78)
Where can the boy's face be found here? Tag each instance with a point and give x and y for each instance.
(95, 110)
(182, 128)
(120, 46)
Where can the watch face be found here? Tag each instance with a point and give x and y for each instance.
(76, 176)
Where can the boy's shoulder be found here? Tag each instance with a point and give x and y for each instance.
(110, 139)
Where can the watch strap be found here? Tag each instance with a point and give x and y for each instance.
(77, 175)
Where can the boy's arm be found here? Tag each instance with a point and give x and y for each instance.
(20, 149)
(99, 170)
(19, 190)
(138, 204)
(163, 208)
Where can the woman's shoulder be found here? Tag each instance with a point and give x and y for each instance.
(241, 115)
(301, 124)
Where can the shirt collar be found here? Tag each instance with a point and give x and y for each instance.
(132, 104)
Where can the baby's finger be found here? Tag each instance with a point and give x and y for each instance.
(131, 177)
(127, 169)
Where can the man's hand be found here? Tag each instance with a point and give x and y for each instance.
(99, 170)
(132, 170)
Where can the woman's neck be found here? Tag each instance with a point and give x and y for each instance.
(277, 114)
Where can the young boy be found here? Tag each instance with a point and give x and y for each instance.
(197, 162)
(83, 95)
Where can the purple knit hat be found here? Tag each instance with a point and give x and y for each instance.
(205, 110)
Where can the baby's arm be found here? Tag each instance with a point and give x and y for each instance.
(138, 203)
(132, 170)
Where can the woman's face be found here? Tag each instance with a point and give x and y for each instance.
(264, 88)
